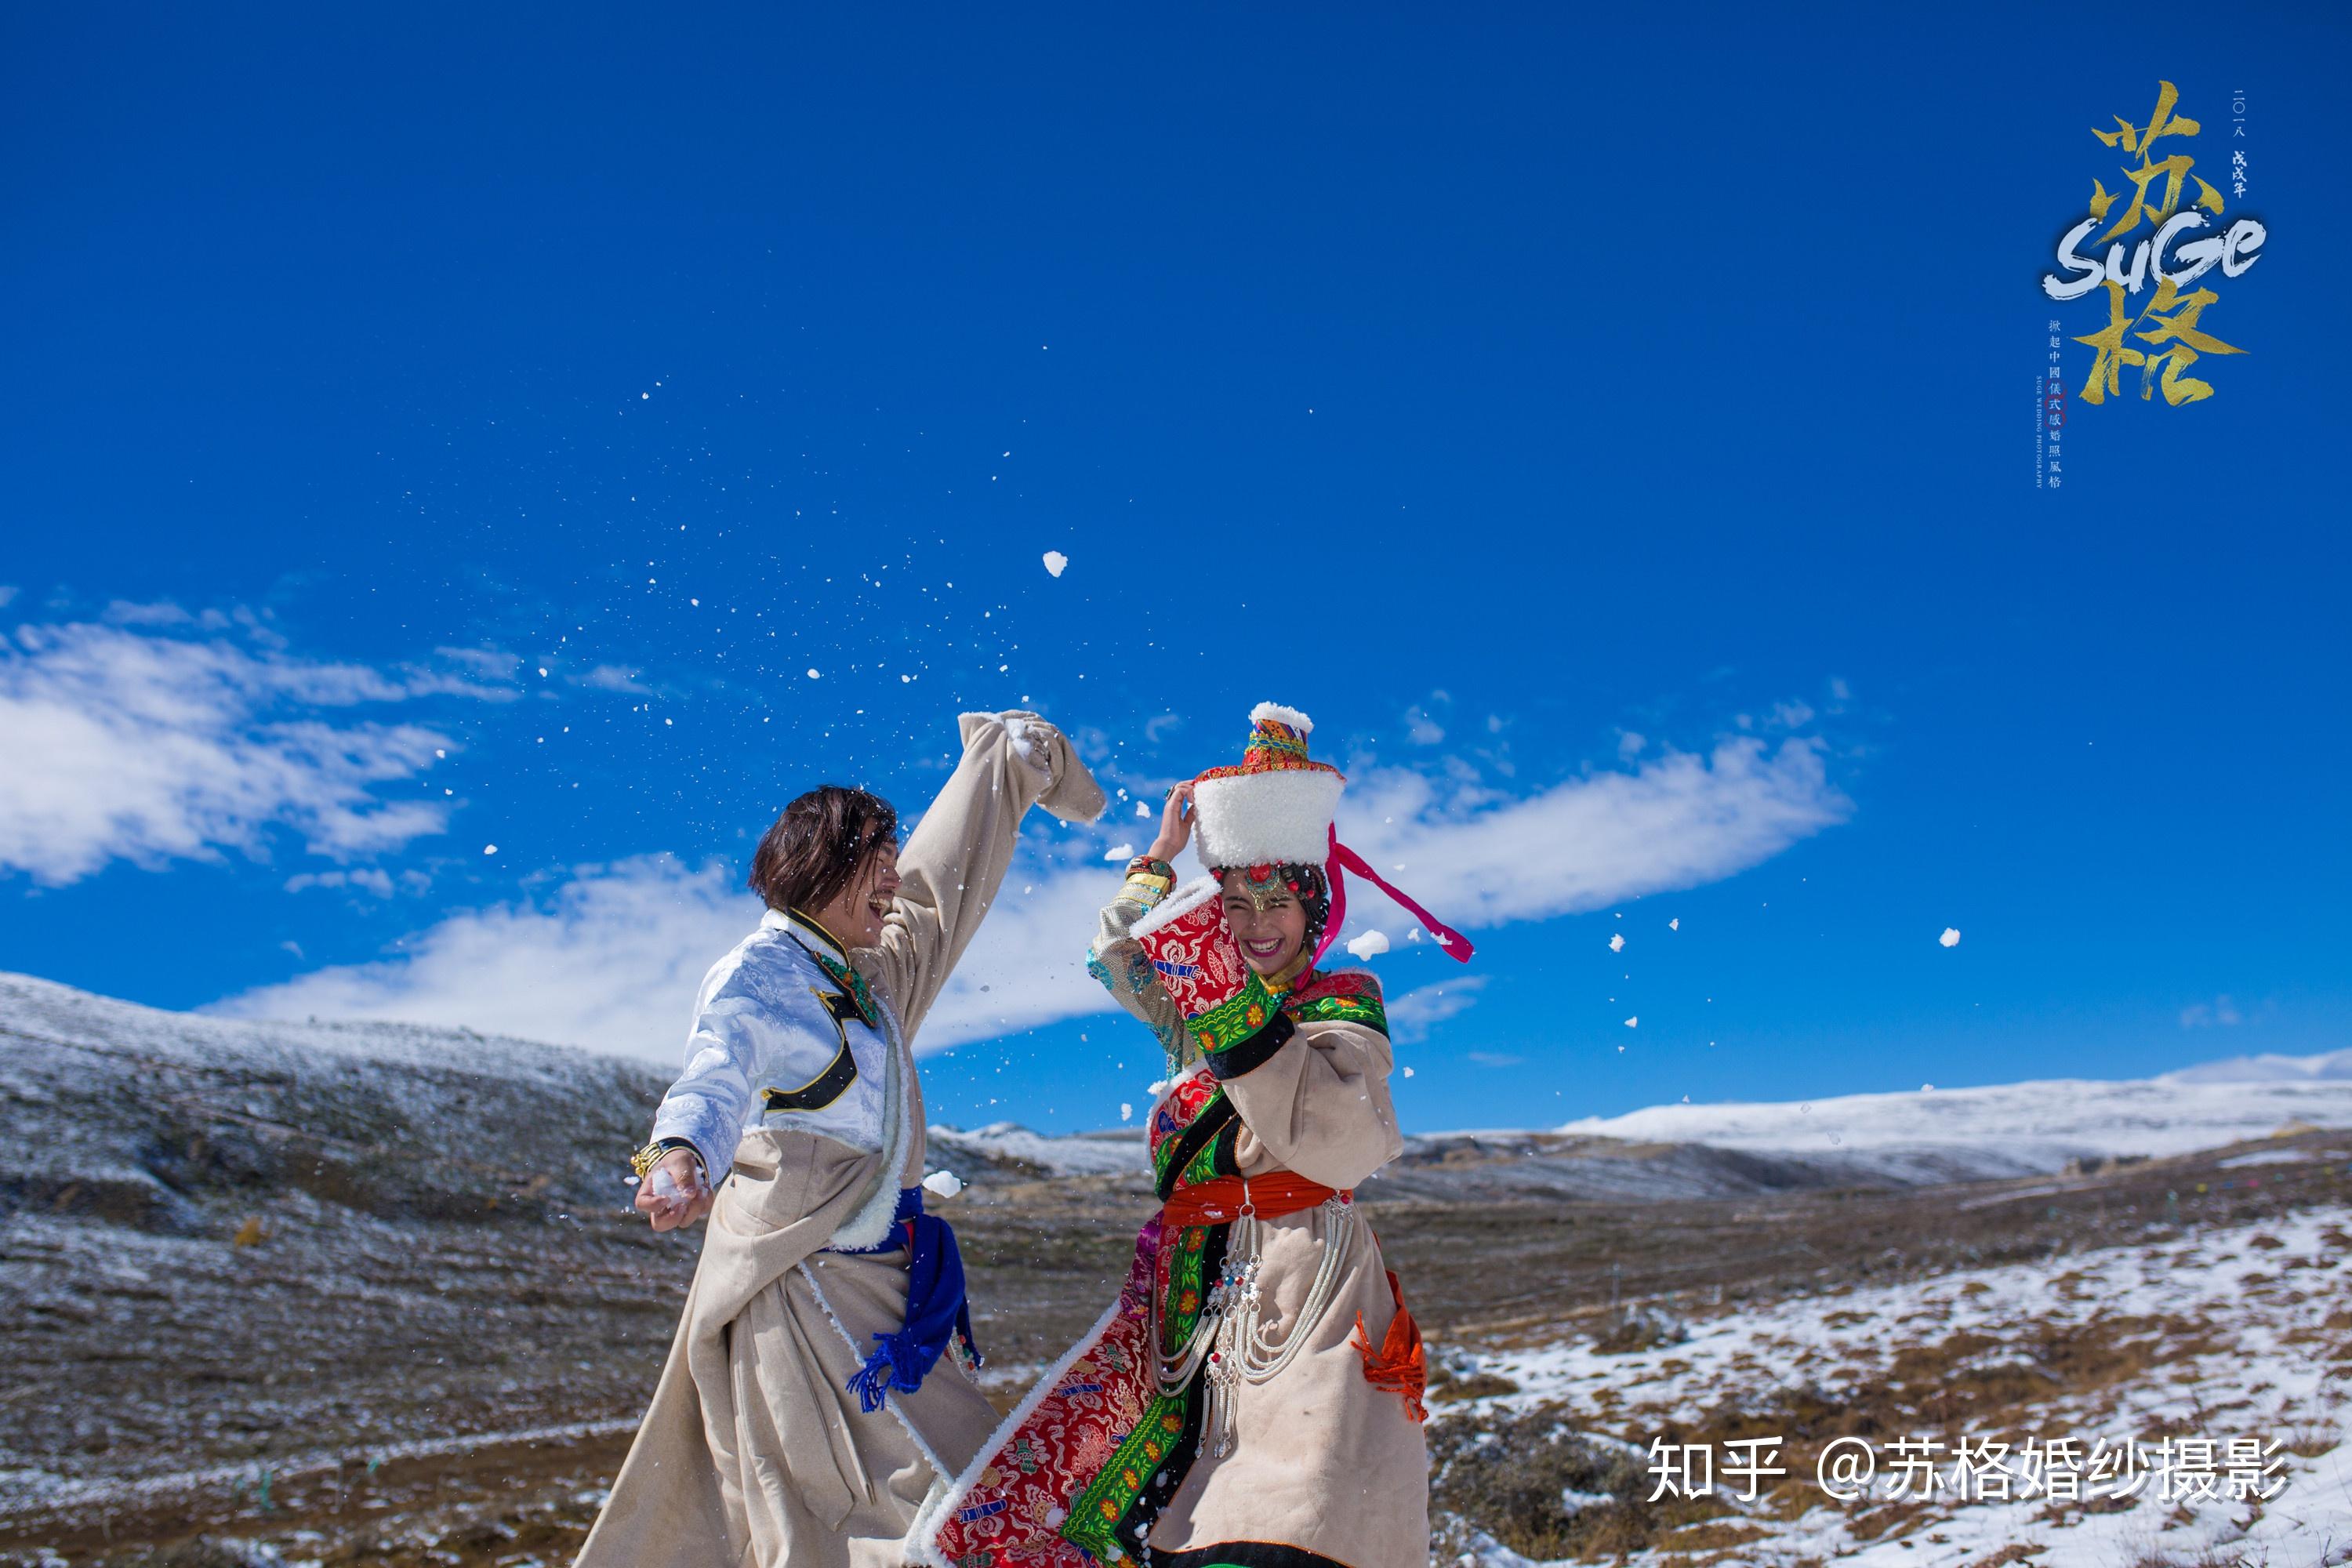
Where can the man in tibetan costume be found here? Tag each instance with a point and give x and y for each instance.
(1253, 1397)
(819, 1388)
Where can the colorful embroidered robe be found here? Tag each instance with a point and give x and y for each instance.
(1328, 1466)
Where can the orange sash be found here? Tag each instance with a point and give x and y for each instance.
(1272, 1195)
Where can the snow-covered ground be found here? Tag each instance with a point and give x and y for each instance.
(2227, 1334)
(2017, 1129)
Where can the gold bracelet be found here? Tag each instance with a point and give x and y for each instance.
(644, 1161)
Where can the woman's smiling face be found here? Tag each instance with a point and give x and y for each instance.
(1268, 920)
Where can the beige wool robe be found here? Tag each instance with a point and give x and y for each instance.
(753, 1453)
(1324, 1462)
(1323, 1459)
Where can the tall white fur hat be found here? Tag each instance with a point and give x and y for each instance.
(1275, 808)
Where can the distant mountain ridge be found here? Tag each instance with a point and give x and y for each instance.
(2016, 1129)
(141, 1115)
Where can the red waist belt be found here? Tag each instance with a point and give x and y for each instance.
(1270, 1196)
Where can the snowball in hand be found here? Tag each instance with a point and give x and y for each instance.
(1055, 562)
(1951, 937)
(1371, 942)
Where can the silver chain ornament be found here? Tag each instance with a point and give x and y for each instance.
(1230, 1344)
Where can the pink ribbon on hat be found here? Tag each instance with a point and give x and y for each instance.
(1344, 859)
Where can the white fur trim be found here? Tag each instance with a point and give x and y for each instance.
(1281, 715)
(1176, 906)
(1279, 817)
(922, 1536)
(871, 1222)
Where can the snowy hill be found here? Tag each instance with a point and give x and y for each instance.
(1008, 1143)
(145, 1117)
(141, 1112)
(2013, 1129)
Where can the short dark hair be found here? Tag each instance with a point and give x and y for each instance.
(818, 844)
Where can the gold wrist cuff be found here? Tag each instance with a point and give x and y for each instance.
(644, 1161)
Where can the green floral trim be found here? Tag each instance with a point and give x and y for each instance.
(1214, 1119)
(1235, 1018)
(1099, 1512)
(1365, 1010)
(1216, 1158)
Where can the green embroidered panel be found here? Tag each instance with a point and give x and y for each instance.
(1216, 1158)
(1235, 1018)
(1364, 1009)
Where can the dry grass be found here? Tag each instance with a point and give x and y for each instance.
(565, 1321)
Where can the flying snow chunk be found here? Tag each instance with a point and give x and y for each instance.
(1119, 852)
(1633, 1021)
(1142, 810)
(1617, 942)
(1126, 1111)
(1674, 925)
(1408, 1072)
(1371, 942)
(1951, 937)
(813, 675)
(1055, 562)
(489, 849)
(944, 1184)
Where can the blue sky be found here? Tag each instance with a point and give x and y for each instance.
(1616, 433)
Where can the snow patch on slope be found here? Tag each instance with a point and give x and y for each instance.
(2016, 1129)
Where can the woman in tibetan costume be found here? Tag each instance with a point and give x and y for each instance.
(1253, 1397)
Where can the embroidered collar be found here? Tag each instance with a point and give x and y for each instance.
(831, 956)
(803, 929)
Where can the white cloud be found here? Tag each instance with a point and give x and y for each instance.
(1481, 859)
(1414, 1013)
(368, 878)
(611, 959)
(490, 663)
(1421, 728)
(611, 677)
(137, 742)
(1028, 965)
(2220, 1011)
